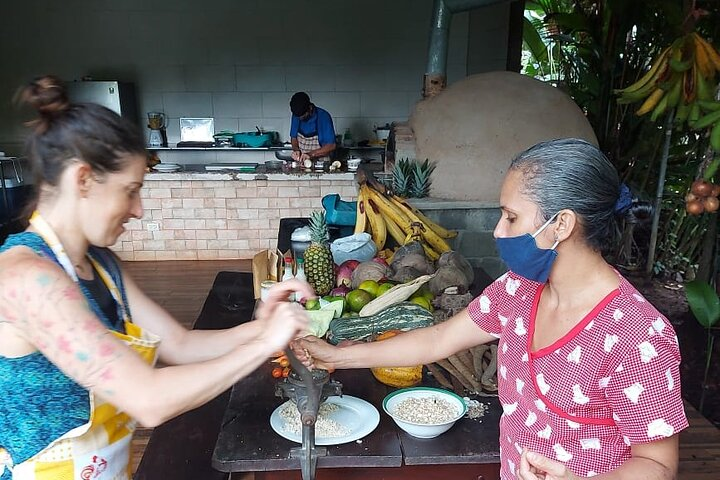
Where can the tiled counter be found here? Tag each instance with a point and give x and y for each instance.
(220, 215)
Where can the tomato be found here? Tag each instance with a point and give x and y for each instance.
(277, 372)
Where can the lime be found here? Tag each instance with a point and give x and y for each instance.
(312, 304)
(357, 299)
(370, 286)
(423, 302)
(425, 291)
(384, 287)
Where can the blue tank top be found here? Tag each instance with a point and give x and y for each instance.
(39, 403)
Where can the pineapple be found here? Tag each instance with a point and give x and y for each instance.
(319, 265)
(420, 187)
(402, 177)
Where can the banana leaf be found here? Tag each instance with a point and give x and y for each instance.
(534, 43)
(704, 302)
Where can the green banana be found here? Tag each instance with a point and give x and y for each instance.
(711, 169)
(715, 137)
(682, 112)
(651, 102)
(681, 66)
(674, 93)
(694, 114)
(704, 91)
(707, 120)
(659, 64)
(709, 105)
(660, 107)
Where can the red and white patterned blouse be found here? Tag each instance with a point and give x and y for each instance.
(611, 382)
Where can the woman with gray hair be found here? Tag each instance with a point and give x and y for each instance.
(588, 369)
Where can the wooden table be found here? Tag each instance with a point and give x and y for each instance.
(233, 434)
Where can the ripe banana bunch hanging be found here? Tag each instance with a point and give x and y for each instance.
(682, 77)
(392, 216)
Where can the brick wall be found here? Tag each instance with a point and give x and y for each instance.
(220, 219)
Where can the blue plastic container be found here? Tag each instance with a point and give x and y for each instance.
(253, 139)
(339, 212)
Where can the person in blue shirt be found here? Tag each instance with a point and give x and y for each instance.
(312, 133)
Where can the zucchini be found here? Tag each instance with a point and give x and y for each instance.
(403, 316)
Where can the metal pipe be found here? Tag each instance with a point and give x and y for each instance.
(440, 30)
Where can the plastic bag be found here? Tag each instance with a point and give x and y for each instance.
(358, 247)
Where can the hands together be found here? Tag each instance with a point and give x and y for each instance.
(283, 320)
(534, 466)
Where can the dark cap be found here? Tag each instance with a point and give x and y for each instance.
(299, 104)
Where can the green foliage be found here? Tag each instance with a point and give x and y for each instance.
(411, 178)
(588, 48)
(704, 302)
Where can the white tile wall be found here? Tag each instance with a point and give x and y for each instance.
(240, 61)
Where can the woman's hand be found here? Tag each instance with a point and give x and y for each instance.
(534, 466)
(285, 322)
(314, 352)
(296, 154)
(280, 293)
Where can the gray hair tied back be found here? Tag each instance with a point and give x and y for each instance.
(573, 174)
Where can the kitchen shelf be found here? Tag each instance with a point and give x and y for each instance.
(371, 148)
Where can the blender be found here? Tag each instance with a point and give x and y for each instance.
(156, 124)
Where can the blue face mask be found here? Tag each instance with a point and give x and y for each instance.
(522, 255)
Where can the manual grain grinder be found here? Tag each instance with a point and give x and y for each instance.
(307, 389)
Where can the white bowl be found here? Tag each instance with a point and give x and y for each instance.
(423, 430)
(353, 163)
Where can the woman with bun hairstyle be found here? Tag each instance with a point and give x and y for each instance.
(78, 338)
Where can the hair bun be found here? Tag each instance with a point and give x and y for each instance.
(47, 95)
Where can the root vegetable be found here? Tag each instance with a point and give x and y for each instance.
(405, 274)
(439, 376)
(455, 259)
(417, 261)
(448, 276)
(487, 376)
(455, 373)
(477, 355)
(465, 373)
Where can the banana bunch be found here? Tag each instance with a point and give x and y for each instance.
(682, 77)
(392, 216)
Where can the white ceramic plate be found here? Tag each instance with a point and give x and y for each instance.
(166, 167)
(359, 416)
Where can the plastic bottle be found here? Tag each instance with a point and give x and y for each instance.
(300, 275)
(288, 274)
(347, 138)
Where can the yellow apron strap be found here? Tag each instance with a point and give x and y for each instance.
(47, 234)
